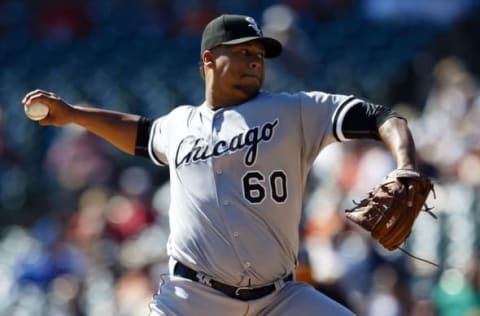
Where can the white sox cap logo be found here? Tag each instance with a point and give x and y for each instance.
(232, 29)
(253, 24)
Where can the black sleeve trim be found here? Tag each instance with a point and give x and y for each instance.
(336, 126)
(364, 119)
(143, 135)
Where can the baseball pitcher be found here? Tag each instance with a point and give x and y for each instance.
(238, 165)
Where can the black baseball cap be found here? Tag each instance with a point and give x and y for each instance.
(231, 29)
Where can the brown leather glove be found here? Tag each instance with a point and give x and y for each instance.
(390, 209)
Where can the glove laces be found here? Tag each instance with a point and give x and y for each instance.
(429, 211)
(418, 258)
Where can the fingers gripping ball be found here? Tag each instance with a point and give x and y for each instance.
(36, 111)
(390, 209)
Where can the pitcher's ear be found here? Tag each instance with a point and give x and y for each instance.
(207, 57)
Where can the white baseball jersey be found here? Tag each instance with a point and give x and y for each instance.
(238, 176)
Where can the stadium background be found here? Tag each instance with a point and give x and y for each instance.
(83, 227)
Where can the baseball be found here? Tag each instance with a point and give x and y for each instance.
(36, 111)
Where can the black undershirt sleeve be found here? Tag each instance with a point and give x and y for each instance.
(143, 135)
(363, 119)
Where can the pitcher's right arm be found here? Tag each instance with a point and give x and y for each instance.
(118, 128)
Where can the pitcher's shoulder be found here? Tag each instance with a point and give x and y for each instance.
(181, 113)
(279, 97)
(297, 95)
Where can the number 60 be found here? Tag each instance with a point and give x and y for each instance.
(254, 187)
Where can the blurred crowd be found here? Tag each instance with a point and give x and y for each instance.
(83, 227)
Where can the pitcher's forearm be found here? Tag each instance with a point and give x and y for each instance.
(120, 129)
(398, 139)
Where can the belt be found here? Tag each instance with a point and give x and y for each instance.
(241, 293)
